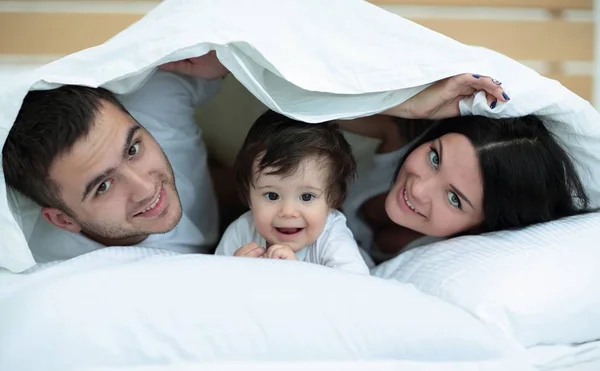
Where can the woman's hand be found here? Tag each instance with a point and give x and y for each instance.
(206, 66)
(440, 100)
(280, 252)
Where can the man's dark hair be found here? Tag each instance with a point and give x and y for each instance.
(282, 143)
(47, 126)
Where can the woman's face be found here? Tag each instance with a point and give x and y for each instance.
(438, 191)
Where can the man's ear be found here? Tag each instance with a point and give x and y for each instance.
(60, 219)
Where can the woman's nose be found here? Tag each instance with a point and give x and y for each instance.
(422, 189)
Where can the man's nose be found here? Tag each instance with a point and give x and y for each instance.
(142, 185)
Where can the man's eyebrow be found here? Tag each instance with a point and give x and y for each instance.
(454, 189)
(105, 174)
(130, 133)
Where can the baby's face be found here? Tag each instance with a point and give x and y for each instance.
(291, 210)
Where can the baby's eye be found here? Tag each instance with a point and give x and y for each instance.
(454, 200)
(272, 196)
(306, 197)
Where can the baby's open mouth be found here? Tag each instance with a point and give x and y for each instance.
(289, 230)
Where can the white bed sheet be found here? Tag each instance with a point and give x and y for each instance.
(584, 366)
(573, 357)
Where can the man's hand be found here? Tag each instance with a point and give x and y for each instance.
(250, 250)
(205, 67)
(440, 100)
(280, 252)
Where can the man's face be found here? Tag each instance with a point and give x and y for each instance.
(117, 182)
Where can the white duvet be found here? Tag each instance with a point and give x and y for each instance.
(122, 308)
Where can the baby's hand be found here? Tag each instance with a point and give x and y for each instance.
(250, 250)
(280, 252)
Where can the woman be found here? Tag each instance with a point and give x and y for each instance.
(469, 174)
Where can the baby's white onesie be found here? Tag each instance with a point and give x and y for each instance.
(335, 247)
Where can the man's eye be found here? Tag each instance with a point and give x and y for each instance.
(306, 197)
(104, 186)
(272, 196)
(134, 149)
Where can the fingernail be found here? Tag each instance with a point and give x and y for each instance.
(493, 104)
(476, 76)
(505, 96)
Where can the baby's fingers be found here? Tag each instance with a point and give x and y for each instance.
(279, 252)
(274, 252)
(251, 250)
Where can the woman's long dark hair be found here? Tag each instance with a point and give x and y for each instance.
(528, 177)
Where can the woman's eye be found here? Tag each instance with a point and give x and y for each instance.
(272, 196)
(134, 149)
(306, 197)
(103, 187)
(433, 157)
(454, 200)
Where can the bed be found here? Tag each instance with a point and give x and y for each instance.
(509, 301)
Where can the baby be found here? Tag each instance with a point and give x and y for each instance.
(293, 176)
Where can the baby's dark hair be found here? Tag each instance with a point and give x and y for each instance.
(282, 143)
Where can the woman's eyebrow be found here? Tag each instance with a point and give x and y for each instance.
(454, 189)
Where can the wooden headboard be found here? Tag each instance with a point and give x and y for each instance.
(554, 36)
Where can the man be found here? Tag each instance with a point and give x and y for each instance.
(117, 171)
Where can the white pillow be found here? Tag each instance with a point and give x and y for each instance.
(124, 307)
(540, 285)
(354, 71)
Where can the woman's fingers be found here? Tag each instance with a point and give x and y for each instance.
(441, 99)
(494, 90)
